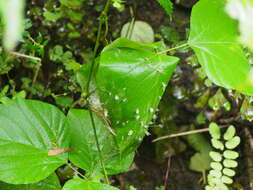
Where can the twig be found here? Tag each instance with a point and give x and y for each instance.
(102, 21)
(74, 169)
(25, 56)
(98, 147)
(184, 133)
(174, 48)
(167, 173)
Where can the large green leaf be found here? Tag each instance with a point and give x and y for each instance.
(83, 141)
(50, 183)
(213, 37)
(79, 184)
(131, 80)
(12, 12)
(29, 130)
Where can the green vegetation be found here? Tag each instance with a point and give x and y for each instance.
(74, 112)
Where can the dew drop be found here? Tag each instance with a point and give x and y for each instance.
(137, 117)
(130, 132)
(164, 85)
(116, 97)
(124, 100)
(151, 110)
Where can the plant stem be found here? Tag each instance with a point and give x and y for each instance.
(98, 147)
(102, 21)
(25, 56)
(74, 169)
(174, 48)
(184, 134)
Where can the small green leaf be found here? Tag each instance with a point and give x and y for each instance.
(226, 179)
(75, 4)
(217, 144)
(200, 162)
(216, 156)
(216, 166)
(230, 163)
(12, 12)
(229, 172)
(233, 143)
(230, 133)
(214, 131)
(167, 5)
(229, 154)
(136, 32)
(215, 173)
(50, 16)
(79, 184)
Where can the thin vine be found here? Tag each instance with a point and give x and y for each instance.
(102, 21)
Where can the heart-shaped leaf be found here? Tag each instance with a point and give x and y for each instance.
(28, 130)
(50, 183)
(78, 184)
(83, 142)
(131, 80)
(213, 37)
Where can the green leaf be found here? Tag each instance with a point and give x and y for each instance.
(216, 166)
(75, 4)
(200, 162)
(217, 144)
(12, 12)
(29, 129)
(216, 156)
(214, 131)
(226, 179)
(50, 183)
(83, 140)
(167, 5)
(218, 101)
(135, 32)
(131, 80)
(51, 16)
(229, 154)
(215, 173)
(233, 143)
(230, 133)
(230, 163)
(228, 172)
(78, 184)
(213, 37)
